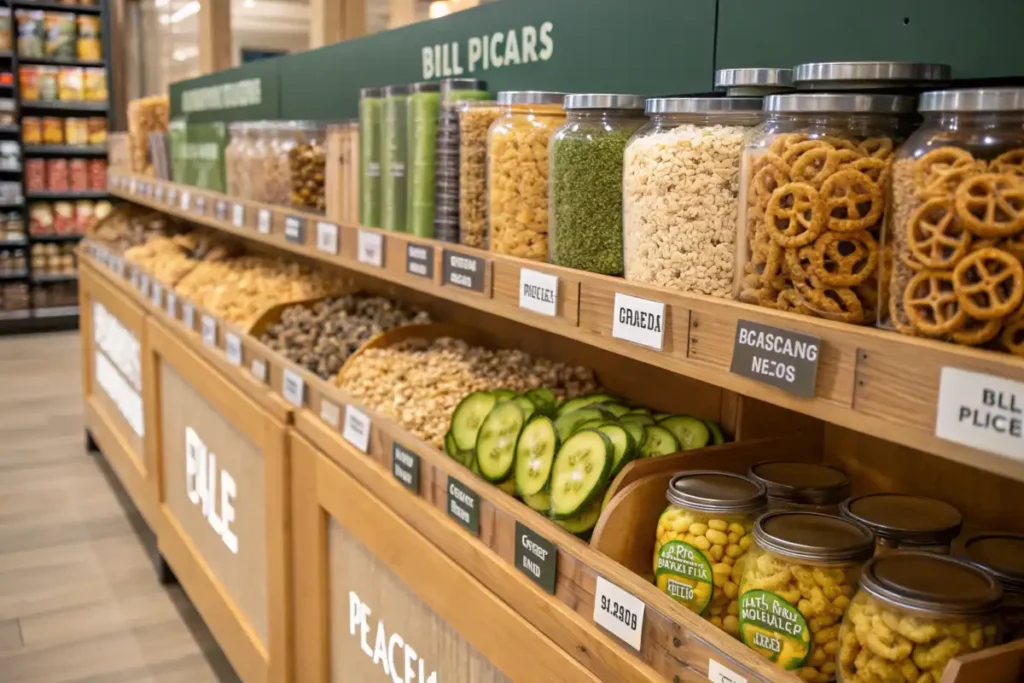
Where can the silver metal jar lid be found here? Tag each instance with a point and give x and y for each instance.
(999, 553)
(814, 537)
(936, 585)
(868, 75)
(366, 93)
(973, 99)
(702, 105)
(455, 84)
(839, 103)
(807, 483)
(754, 78)
(710, 491)
(530, 97)
(425, 86)
(902, 517)
(603, 101)
(392, 90)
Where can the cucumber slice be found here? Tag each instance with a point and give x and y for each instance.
(540, 502)
(468, 417)
(616, 409)
(658, 417)
(658, 441)
(449, 446)
(535, 452)
(717, 437)
(496, 443)
(691, 432)
(583, 401)
(622, 443)
(567, 423)
(528, 407)
(503, 394)
(637, 418)
(580, 472)
(639, 411)
(544, 399)
(592, 424)
(583, 521)
(636, 430)
(508, 487)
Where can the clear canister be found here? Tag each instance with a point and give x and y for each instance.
(585, 226)
(424, 105)
(306, 163)
(815, 178)
(802, 486)
(681, 192)
(957, 225)
(797, 582)
(276, 141)
(371, 115)
(902, 521)
(912, 614)
(517, 172)
(254, 154)
(702, 535)
(393, 155)
(475, 119)
(454, 91)
(753, 82)
(234, 159)
(1002, 555)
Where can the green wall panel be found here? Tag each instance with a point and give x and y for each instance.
(980, 38)
(266, 71)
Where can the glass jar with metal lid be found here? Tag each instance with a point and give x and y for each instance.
(1001, 554)
(957, 222)
(680, 192)
(239, 137)
(371, 116)
(702, 534)
(446, 154)
(814, 179)
(475, 119)
(753, 82)
(424, 108)
(307, 160)
(517, 171)
(586, 181)
(912, 614)
(870, 76)
(906, 522)
(797, 582)
(807, 486)
(394, 142)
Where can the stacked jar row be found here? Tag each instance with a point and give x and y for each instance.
(277, 162)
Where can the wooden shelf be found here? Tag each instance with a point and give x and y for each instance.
(65, 150)
(870, 380)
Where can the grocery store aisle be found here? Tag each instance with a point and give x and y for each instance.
(79, 597)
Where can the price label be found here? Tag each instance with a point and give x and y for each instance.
(136, 279)
(209, 327)
(172, 304)
(464, 506)
(718, 673)
(782, 358)
(233, 348)
(258, 368)
(463, 271)
(186, 200)
(357, 428)
(327, 237)
(330, 413)
(619, 612)
(188, 315)
(158, 193)
(371, 248)
(133, 187)
(405, 467)
(238, 215)
(144, 188)
(536, 557)
(263, 221)
(156, 293)
(982, 411)
(119, 267)
(200, 204)
(293, 388)
(640, 321)
(172, 196)
(294, 229)
(144, 285)
(538, 292)
(419, 260)
(220, 210)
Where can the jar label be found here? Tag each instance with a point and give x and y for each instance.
(775, 628)
(683, 572)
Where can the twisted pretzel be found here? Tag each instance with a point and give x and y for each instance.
(991, 204)
(939, 171)
(853, 201)
(1009, 162)
(935, 237)
(877, 148)
(795, 215)
(844, 259)
(833, 303)
(812, 161)
(989, 283)
(931, 305)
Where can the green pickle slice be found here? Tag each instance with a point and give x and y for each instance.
(775, 628)
(683, 572)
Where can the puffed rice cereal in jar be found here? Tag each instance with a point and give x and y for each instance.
(913, 613)
(796, 584)
(702, 535)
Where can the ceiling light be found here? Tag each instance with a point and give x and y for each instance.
(165, 19)
(161, 3)
(439, 8)
(249, 4)
(185, 12)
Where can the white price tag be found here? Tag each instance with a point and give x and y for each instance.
(172, 196)
(327, 237)
(172, 303)
(263, 221)
(136, 279)
(640, 321)
(619, 612)
(158, 193)
(293, 388)
(119, 267)
(982, 411)
(233, 348)
(329, 413)
(720, 674)
(357, 428)
(156, 293)
(371, 248)
(188, 315)
(238, 215)
(258, 368)
(538, 292)
(209, 324)
(186, 200)
(144, 285)
(133, 186)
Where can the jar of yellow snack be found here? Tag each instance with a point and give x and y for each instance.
(517, 171)
(802, 486)
(702, 535)
(913, 613)
(1001, 554)
(796, 584)
(906, 522)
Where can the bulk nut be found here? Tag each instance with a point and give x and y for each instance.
(306, 163)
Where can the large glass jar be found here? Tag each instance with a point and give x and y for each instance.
(902, 521)
(585, 230)
(802, 486)
(454, 91)
(254, 153)
(475, 119)
(1002, 555)
(394, 142)
(306, 163)
(753, 82)
(957, 225)
(681, 192)
(517, 172)
(424, 104)
(232, 157)
(797, 582)
(702, 535)
(371, 114)
(912, 614)
(896, 77)
(815, 177)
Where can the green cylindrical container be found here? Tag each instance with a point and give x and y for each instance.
(424, 102)
(393, 146)
(371, 117)
(446, 154)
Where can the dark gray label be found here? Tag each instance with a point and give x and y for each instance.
(787, 360)
(405, 465)
(460, 270)
(464, 505)
(200, 204)
(295, 229)
(220, 210)
(419, 260)
(536, 557)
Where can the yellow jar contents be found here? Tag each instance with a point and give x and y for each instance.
(701, 537)
(913, 613)
(1001, 554)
